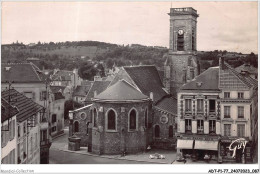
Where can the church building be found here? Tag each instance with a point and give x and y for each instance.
(181, 64)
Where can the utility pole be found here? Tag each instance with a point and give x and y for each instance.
(10, 101)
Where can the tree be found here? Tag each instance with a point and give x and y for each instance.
(109, 63)
(251, 59)
(70, 105)
(101, 70)
(87, 71)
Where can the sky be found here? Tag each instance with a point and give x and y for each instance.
(230, 26)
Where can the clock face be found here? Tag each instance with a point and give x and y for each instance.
(180, 32)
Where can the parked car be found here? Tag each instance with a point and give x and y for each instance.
(157, 156)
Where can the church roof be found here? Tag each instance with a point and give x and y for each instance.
(98, 86)
(121, 91)
(167, 104)
(81, 90)
(147, 79)
(208, 80)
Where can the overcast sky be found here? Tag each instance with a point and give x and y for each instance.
(230, 26)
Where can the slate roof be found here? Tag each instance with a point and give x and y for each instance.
(245, 67)
(21, 73)
(62, 75)
(98, 86)
(167, 104)
(56, 89)
(26, 106)
(7, 109)
(247, 80)
(147, 78)
(86, 83)
(121, 91)
(81, 90)
(209, 80)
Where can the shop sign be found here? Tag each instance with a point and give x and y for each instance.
(237, 144)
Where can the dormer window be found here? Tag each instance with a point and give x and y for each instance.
(240, 95)
(226, 94)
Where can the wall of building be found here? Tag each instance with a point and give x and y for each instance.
(8, 152)
(108, 142)
(234, 120)
(32, 154)
(84, 125)
(36, 88)
(194, 115)
(164, 141)
(57, 107)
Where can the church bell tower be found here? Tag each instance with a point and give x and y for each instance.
(181, 64)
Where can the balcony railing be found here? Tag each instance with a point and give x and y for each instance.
(200, 130)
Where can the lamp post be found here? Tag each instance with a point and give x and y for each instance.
(71, 123)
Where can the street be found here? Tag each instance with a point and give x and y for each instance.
(62, 157)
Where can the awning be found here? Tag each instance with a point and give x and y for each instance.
(184, 144)
(206, 145)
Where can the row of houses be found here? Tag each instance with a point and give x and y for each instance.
(24, 130)
(214, 109)
(28, 82)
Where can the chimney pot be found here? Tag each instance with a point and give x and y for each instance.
(151, 95)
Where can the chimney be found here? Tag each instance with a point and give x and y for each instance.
(221, 63)
(199, 84)
(151, 96)
(95, 93)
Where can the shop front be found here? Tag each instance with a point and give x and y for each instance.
(206, 150)
(185, 146)
(235, 149)
(198, 147)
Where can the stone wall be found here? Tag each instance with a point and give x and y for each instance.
(164, 141)
(107, 142)
(84, 125)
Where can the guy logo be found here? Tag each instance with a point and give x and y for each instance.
(237, 144)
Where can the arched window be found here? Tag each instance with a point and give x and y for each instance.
(132, 120)
(95, 117)
(111, 120)
(76, 126)
(87, 127)
(157, 131)
(170, 131)
(146, 118)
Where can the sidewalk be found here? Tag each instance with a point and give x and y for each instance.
(61, 143)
